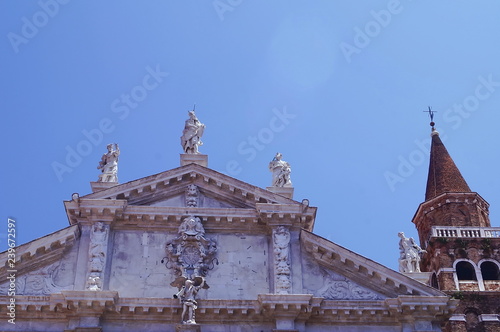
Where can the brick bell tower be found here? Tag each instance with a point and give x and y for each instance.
(462, 249)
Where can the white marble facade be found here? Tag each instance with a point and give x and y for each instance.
(267, 271)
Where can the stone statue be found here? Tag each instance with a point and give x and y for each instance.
(187, 296)
(281, 172)
(109, 164)
(409, 260)
(191, 135)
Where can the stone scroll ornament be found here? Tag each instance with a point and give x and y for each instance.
(97, 255)
(282, 272)
(191, 255)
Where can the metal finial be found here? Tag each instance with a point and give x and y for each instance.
(431, 115)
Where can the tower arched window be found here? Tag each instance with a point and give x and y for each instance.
(490, 271)
(465, 271)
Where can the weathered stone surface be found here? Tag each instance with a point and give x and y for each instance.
(245, 240)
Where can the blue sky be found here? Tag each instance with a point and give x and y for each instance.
(338, 87)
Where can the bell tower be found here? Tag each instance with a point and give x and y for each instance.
(462, 249)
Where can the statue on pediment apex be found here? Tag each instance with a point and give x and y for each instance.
(191, 135)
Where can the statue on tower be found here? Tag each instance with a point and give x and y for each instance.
(281, 172)
(410, 251)
(109, 164)
(191, 135)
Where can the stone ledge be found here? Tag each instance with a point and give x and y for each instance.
(200, 159)
(423, 277)
(98, 186)
(188, 328)
(283, 191)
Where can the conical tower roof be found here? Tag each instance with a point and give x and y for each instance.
(444, 175)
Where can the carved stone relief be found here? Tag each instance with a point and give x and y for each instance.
(40, 282)
(282, 272)
(192, 195)
(191, 254)
(332, 286)
(97, 255)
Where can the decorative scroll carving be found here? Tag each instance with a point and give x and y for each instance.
(192, 196)
(282, 272)
(332, 286)
(347, 290)
(97, 255)
(191, 254)
(40, 282)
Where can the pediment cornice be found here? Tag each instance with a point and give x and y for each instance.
(245, 206)
(40, 252)
(150, 188)
(362, 270)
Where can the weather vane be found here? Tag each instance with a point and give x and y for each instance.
(431, 115)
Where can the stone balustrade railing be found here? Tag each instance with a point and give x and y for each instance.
(465, 232)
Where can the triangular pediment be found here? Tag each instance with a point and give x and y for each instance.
(336, 273)
(170, 188)
(43, 266)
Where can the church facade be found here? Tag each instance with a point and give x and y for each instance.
(192, 249)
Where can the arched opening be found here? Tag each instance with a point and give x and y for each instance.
(490, 271)
(434, 281)
(465, 271)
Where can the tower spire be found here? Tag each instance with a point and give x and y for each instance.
(444, 176)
